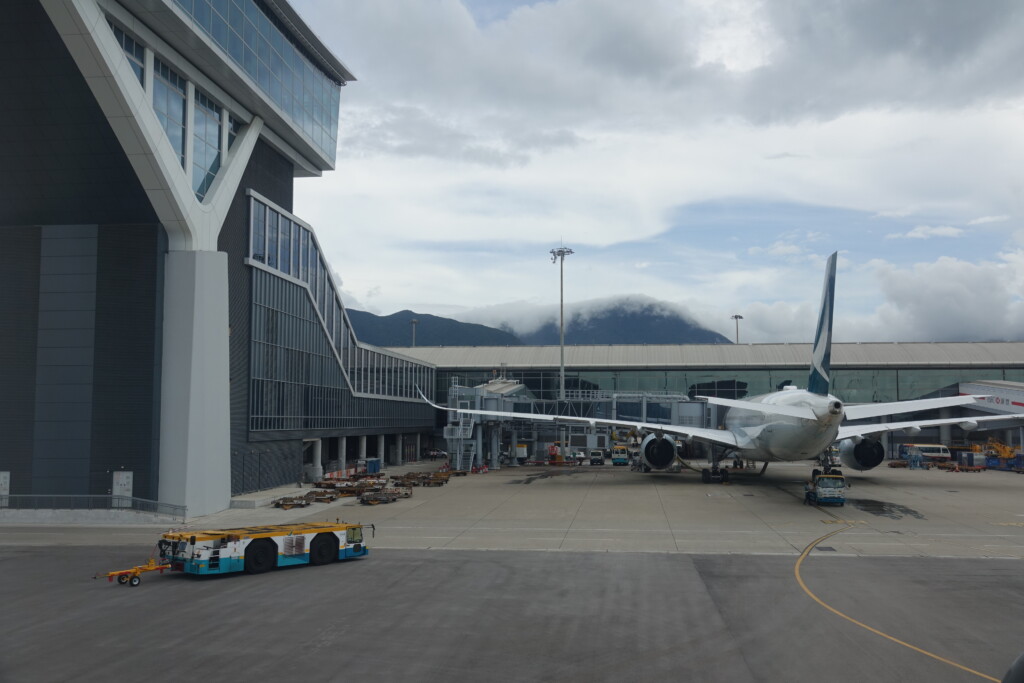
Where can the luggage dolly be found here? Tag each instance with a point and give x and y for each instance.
(131, 577)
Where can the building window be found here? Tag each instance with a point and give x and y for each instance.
(169, 104)
(205, 144)
(259, 233)
(272, 217)
(234, 127)
(286, 245)
(255, 40)
(134, 51)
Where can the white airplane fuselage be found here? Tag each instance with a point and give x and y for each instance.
(771, 437)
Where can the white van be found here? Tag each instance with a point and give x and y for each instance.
(929, 451)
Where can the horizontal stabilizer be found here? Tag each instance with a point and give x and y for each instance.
(866, 410)
(765, 408)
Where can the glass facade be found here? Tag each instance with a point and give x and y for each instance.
(134, 51)
(252, 37)
(206, 123)
(305, 357)
(851, 385)
(169, 93)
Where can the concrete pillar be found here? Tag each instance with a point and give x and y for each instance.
(513, 450)
(945, 431)
(419, 447)
(400, 447)
(342, 448)
(317, 472)
(362, 447)
(380, 450)
(195, 407)
(478, 439)
(495, 445)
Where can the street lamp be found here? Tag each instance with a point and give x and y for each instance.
(558, 255)
(413, 322)
(737, 318)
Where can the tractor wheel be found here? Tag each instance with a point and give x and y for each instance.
(323, 549)
(260, 556)
(134, 581)
(122, 579)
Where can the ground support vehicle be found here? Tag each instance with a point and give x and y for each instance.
(825, 489)
(131, 577)
(260, 548)
(620, 455)
(377, 497)
(597, 457)
(289, 502)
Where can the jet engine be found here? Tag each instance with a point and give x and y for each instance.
(658, 453)
(861, 454)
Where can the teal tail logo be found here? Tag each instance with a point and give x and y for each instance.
(821, 357)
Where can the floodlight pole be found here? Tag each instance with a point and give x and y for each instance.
(737, 318)
(559, 256)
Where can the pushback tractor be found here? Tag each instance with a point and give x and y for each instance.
(254, 549)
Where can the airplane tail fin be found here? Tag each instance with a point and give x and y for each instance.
(821, 356)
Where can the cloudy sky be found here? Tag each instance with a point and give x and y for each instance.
(708, 154)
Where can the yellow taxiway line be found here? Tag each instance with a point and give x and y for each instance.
(799, 580)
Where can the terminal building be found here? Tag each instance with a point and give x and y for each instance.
(658, 384)
(172, 331)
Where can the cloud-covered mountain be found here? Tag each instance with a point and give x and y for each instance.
(431, 330)
(628, 320)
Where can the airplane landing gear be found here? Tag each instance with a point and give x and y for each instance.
(715, 474)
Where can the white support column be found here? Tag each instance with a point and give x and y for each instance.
(380, 450)
(400, 447)
(419, 447)
(342, 453)
(362, 447)
(195, 463)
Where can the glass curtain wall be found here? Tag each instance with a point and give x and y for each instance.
(289, 247)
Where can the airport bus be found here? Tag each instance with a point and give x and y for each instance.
(929, 451)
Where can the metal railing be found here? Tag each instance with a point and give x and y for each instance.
(66, 502)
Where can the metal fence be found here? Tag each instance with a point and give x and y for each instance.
(47, 502)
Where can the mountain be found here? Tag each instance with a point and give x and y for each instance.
(431, 330)
(625, 322)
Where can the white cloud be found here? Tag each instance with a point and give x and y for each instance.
(924, 232)
(478, 138)
(988, 219)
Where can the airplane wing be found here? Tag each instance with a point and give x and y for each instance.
(866, 410)
(716, 436)
(848, 431)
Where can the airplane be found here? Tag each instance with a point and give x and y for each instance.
(788, 425)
